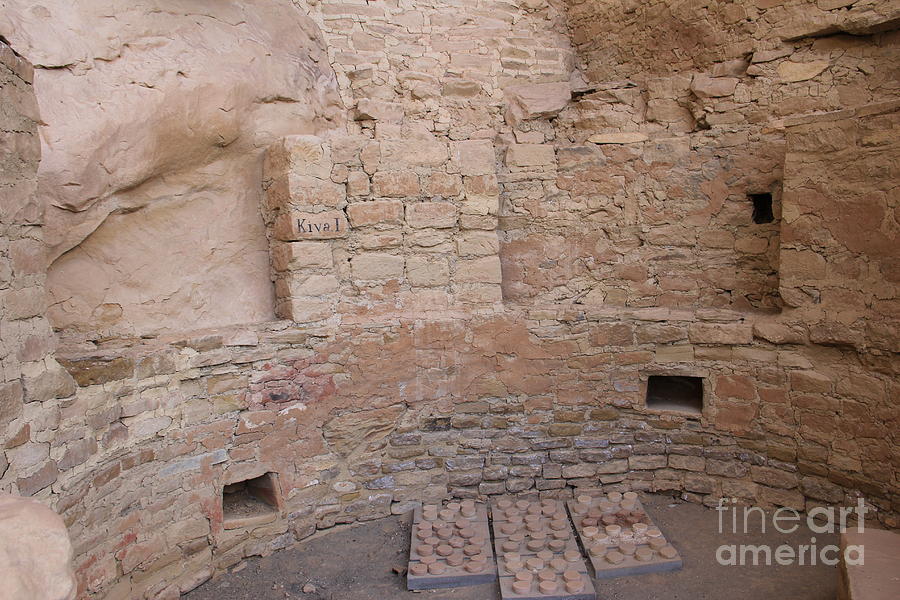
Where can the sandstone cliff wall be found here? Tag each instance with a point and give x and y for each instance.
(155, 115)
(615, 201)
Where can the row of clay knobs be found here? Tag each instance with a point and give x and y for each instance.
(625, 549)
(548, 581)
(453, 510)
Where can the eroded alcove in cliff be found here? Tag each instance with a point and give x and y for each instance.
(274, 266)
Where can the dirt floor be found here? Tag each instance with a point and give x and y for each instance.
(355, 563)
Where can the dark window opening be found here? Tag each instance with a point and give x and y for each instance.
(250, 502)
(675, 392)
(762, 208)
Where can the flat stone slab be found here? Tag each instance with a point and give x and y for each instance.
(879, 577)
(619, 536)
(450, 546)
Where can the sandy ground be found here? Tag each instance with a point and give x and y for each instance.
(356, 563)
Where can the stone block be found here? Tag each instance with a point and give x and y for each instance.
(377, 267)
(530, 155)
(790, 72)
(624, 137)
(396, 184)
(444, 185)
(424, 271)
(358, 183)
(301, 191)
(378, 110)
(298, 226)
(11, 402)
(23, 304)
(438, 215)
(375, 212)
(304, 309)
(480, 270)
(537, 100)
(95, 370)
(304, 155)
(291, 256)
(713, 87)
(474, 157)
(720, 333)
(477, 243)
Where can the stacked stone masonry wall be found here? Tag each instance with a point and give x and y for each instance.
(606, 208)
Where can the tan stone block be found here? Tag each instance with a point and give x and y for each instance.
(396, 184)
(482, 222)
(358, 183)
(479, 270)
(424, 271)
(713, 87)
(735, 386)
(734, 416)
(304, 310)
(482, 195)
(678, 353)
(418, 149)
(478, 243)
(439, 215)
(375, 241)
(376, 267)
(28, 256)
(462, 88)
(22, 304)
(11, 396)
(474, 157)
(289, 256)
(378, 110)
(790, 71)
(720, 333)
(292, 190)
(688, 463)
(442, 184)
(801, 265)
(479, 293)
(623, 137)
(300, 155)
(296, 226)
(313, 285)
(536, 100)
(530, 155)
(377, 211)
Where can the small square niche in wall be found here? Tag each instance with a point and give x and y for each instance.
(250, 503)
(762, 207)
(675, 392)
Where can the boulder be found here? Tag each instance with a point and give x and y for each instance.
(35, 552)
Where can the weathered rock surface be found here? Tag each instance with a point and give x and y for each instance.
(155, 114)
(536, 100)
(35, 552)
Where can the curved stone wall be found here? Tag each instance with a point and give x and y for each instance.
(363, 420)
(627, 249)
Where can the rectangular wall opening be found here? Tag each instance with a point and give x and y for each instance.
(675, 392)
(762, 207)
(251, 502)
